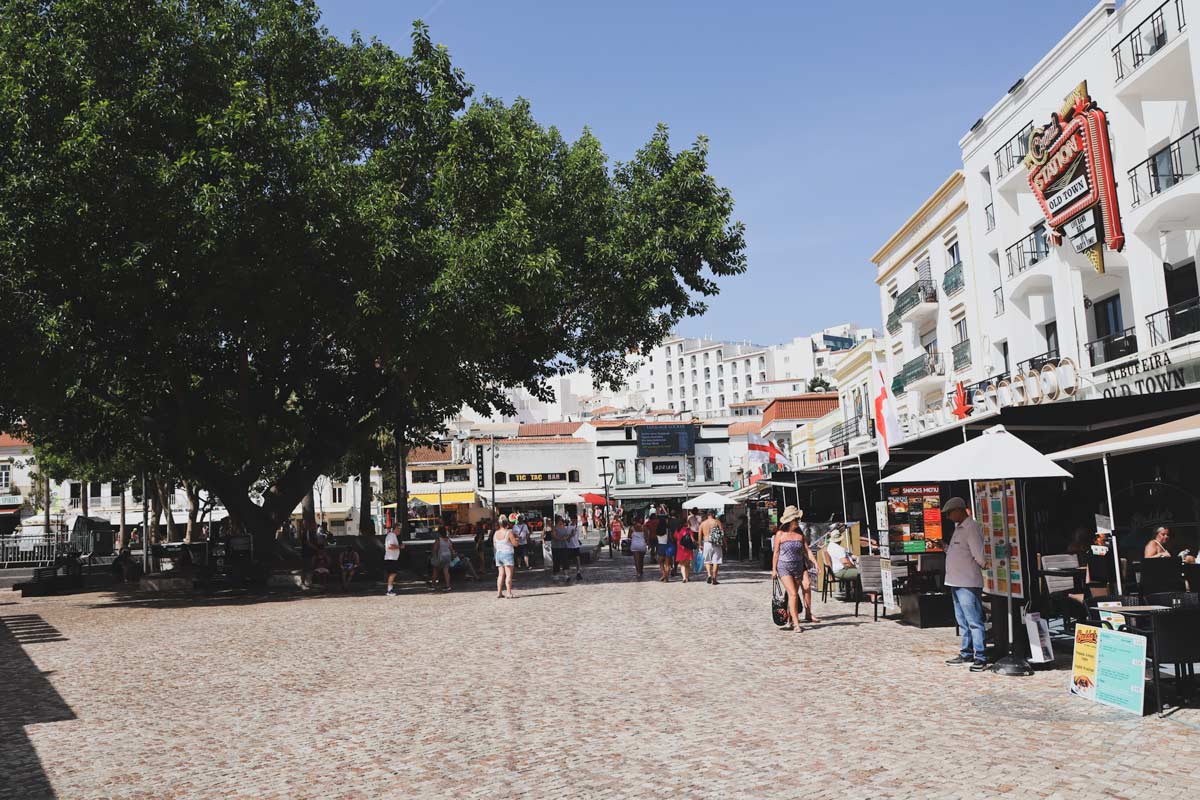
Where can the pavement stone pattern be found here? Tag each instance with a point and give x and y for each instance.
(608, 689)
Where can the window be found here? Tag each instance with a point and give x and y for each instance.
(5, 477)
(1051, 331)
(619, 469)
(707, 373)
(706, 358)
(721, 401)
(720, 386)
(735, 381)
(747, 365)
(691, 468)
(708, 470)
(693, 361)
(639, 470)
(573, 476)
(458, 475)
(1108, 317)
(338, 494)
(720, 370)
(929, 341)
(425, 476)
(960, 330)
(670, 394)
(501, 478)
(952, 255)
(683, 405)
(1004, 354)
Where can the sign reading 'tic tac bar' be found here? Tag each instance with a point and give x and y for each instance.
(1071, 175)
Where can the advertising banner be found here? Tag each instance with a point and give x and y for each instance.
(667, 440)
(1109, 667)
(996, 512)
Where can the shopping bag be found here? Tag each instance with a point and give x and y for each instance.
(779, 612)
(699, 564)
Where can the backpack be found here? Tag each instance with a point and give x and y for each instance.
(717, 537)
(687, 542)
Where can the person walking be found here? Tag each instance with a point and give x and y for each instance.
(616, 529)
(790, 560)
(664, 548)
(521, 531)
(391, 559)
(574, 551)
(504, 544)
(712, 540)
(964, 578)
(637, 547)
(441, 558)
(685, 549)
(559, 537)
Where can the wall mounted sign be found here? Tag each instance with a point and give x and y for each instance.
(479, 475)
(1071, 175)
(667, 440)
(531, 477)
(664, 467)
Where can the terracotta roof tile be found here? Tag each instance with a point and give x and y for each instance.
(429, 455)
(743, 428)
(605, 410)
(801, 406)
(548, 429)
(12, 441)
(543, 440)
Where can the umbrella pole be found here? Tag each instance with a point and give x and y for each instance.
(1012, 663)
(867, 522)
(796, 483)
(1112, 521)
(842, 483)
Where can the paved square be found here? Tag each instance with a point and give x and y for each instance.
(608, 689)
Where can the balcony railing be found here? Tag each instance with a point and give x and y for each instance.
(893, 323)
(1037, 362)
(1174, 322)
(1025, 253)
(1111, 347)
(961, 353)
(923, 291)
(843, 432)
(989, 215)
(983, 384)
(1163, 25)
(998, 299)
(1178, 160)
(1012, 151)
(923, 366)
(953, 281)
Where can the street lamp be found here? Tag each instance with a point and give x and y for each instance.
(605, 474)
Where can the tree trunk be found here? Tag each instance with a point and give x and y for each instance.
(193, 500)
(122, 533)
(155, 511)
(308, 512)
(165, 491)
(46, 510)
(402, 480)
(83, 499)
(366, 523)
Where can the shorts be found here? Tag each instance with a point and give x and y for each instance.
(505, 559)
(573, 555)
(391, 565)
(635, 549)
(713, 554)
(519, 551)
(440, 563)
(559, 557)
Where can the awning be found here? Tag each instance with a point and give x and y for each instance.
(1180, 431)
(666, 492)
(591, 498)
(996, 455)
(518, 496)
(446, 498)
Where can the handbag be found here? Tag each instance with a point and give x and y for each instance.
(779, 611)
(687, 542)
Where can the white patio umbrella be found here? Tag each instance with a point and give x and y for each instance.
(710, 500)
(996, 455)
(568, 499)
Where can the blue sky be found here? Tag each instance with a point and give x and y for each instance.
(830, 122)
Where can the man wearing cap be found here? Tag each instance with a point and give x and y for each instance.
(964, 578)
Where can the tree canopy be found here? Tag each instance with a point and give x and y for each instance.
(237, 245)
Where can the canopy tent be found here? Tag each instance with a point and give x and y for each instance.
(710, 500)
(593, 499)
(996, 455)
(1176, 432)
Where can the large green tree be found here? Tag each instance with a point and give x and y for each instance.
(246, 245)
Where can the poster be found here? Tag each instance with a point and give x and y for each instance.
(996, 512)
(1041, 649)
(881, 528)
(889, 591)
(915, 519)
(1109, 667)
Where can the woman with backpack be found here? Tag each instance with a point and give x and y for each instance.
(790, 561)
(685, 549)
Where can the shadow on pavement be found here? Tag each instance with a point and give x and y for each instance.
(26, 698)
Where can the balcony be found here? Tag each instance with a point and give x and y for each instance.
(893, 323)
(994, 380)
(953, 281)
(989, 216)
(919, 372)
(1169, 166)
(1026, 253)
(847, 431)
(1164, 25)
(998, 299)
(1013, 151)
(1110, 348)
(1174, 322)
(1037, 362)
(961, 354)
(915, 301)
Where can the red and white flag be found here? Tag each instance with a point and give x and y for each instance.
(764, 451)
(888, 432)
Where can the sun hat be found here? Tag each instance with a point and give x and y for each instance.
(955, 504)
(790, 514)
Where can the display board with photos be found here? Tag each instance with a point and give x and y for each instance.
(915, 519)
(996, 511)
(1109, 667)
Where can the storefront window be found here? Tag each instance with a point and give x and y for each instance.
(458, 475)
(424, 476)
(639, 471)
(708, 469)
(620, 471)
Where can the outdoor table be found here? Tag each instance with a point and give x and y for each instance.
(1148, 615)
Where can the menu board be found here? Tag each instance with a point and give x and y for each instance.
(1109, 667)
(915, 519)
(996, 512)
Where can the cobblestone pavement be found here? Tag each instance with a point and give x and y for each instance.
(608, 689)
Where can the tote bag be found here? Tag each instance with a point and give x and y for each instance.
(779, 612)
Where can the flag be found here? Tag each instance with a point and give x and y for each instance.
(765, 451)
(888, 432)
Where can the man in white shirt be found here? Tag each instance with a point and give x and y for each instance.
(521, 530)
(964, 579)
(844, 568)
(391, 559)
(693, 522)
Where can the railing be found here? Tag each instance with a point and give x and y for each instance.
(961, 354)
(923, 291)
(1151, 35)
(31, 550)
(924, 366)
(1174, 322)
(1011, 152)
(893, 323)
(953, 281)
(1037, 362)
(1025, 253)
(989, 215)
(998, 299)
(1112, 347)
(1178, 160)
(983, 384)
(843, 432)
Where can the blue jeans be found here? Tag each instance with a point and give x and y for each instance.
(968, 612)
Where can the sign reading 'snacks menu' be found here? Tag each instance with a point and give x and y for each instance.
(1071, 175)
